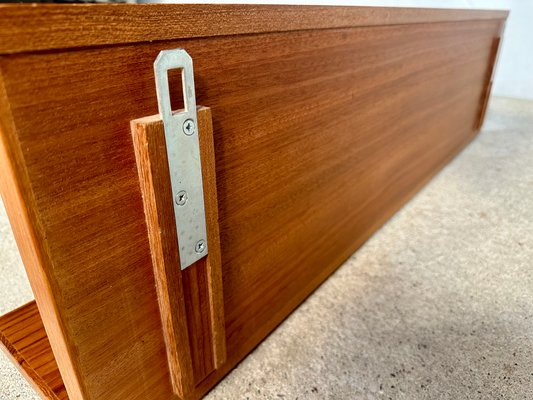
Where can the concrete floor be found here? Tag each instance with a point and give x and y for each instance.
(438, 304)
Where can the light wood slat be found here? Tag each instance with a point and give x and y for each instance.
(24, 339)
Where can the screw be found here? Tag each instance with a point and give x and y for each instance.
(181, 198)
(200, 246)
(189, 127)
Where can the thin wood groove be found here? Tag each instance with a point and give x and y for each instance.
(491, 68)
(199, 320)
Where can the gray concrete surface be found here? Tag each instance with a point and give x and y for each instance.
(438, 304)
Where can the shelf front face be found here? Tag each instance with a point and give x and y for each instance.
(319, 135)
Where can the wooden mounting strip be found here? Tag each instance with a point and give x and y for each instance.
(190, 301)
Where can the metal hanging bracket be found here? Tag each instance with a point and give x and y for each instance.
(183, 153)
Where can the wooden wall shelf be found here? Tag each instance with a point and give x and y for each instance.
(322, 123)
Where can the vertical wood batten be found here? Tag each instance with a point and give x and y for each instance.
(190, 301)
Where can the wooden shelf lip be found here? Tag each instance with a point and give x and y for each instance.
(24, 339)
(25, 28)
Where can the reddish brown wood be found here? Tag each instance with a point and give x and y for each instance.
(27, 28)
(149, 151)
(23, 338)
(30, 235)
(191, 301)
(319, 136)
(488, 85)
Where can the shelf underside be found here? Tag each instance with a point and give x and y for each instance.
(24, 339)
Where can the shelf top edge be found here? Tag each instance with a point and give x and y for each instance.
(41, 27)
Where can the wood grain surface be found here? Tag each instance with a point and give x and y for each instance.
(24, 339)
(495, 51)
(319, 137)
(19, 201)
(191, 301)
(153, 178)
(29, 28)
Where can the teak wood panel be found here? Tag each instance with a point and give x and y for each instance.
(319, 137)
(23, 337)
(23, 28)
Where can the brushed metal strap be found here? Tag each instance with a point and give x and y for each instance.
(183, 153)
